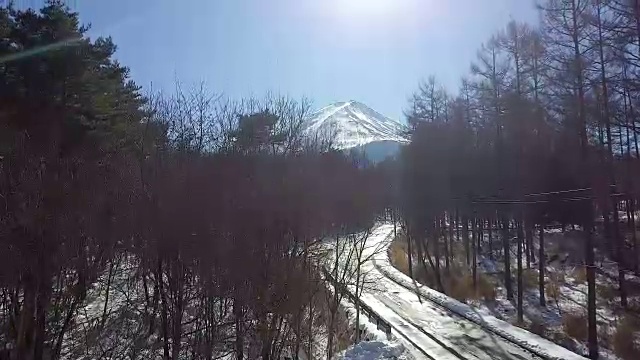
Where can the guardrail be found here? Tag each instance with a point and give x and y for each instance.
(365, 310)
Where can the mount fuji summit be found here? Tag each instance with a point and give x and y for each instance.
(353, 125)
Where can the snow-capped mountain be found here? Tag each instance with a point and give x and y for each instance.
(353, 124)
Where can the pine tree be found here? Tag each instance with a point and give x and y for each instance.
(69, 117)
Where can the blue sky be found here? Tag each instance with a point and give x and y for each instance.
(374, 51)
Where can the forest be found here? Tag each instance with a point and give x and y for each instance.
(541, 135)
(187, 224)
(178, 225)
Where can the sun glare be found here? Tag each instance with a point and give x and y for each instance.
(375, 13)
(369, 9)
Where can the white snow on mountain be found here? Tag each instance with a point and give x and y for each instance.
(352, 124)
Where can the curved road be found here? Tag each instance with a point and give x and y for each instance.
(434, 329)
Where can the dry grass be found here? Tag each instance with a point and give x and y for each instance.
(398, 256)
(580, 274)
(606, 292)
(624, 345)
(344, 337)
(559, 337)
(604, 336)
(634, 305)
(486, 288)
(530, 278)
(426, 277)
(537, 327)
(556, 276)
(552, 289)
(344, 334)
(459, 285)
(575, 325)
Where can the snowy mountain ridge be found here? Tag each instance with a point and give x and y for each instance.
(353, 124)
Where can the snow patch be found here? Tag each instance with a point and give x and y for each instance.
(373, 350)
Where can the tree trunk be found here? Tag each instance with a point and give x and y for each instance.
(27, 314)
(357, 302)
(409, 254)
(490, 235)
(619, 240)
(528, 235)
(310, 328)
(507, 259)
(42, 303)
(268, 343)
(335, 303)
(65, 326)
(163, 304)
(450, 237)
(436, 243)
(519, 261)
(395, 224)
(588, 224)
(480, 237)
(106, 296)
(474, 266)
(591, 294)
(237, 316)
(634, 236)
(457, 225)
(177, 285)
(465, 236)
(436, 271)
(541, 266)
(446, 244)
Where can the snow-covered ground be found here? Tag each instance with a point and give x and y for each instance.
(374, 342)
(373, 350)
(442, 327)
(565, 276)
(563, 319)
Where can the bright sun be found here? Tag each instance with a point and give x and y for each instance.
(369, 10)
(374, 17)
(368, 6)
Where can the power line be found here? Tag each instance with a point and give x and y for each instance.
(495, 199)
(558, 192)
(526, 202)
